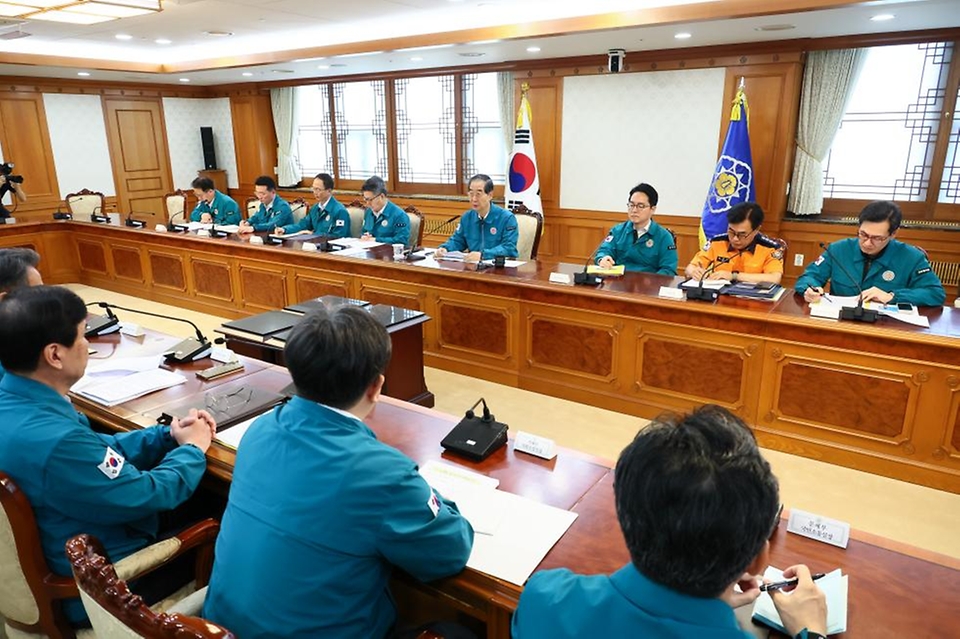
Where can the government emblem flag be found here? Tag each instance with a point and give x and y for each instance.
(733, 178)
(523, 179)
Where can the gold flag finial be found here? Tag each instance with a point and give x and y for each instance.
(524, 88)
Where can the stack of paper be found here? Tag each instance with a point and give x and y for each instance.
(453, 256)
(111, 392)
(231, 436)
(114, 369)
(833, 585)
(709, 284)
(355, 243)
(614, 271)
(516, 263)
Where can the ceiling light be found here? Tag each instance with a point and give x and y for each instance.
(471, 54)
(218, 34)
(246, 74)
(322, 57)
(79, 11)
(337, 64)
(416, 58)
(358, 55)
(682, 36)
(123, 36)
(83, 74)
(323, 66)
(533, 49)
(184, 79)
(428, 47)
(163, 41)
(775, 27)
(883, 17)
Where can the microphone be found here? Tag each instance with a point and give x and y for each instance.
(436, 229)
(487, 415)
(857, 313)
(99, 219)
(137, 224)
(475, 437)
(189, 350)
(588, 279)
(61, 215)
(99, 325)
(705, 294)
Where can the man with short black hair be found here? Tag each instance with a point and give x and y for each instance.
(213, 207)
(885, 269)
(485, 231)
(326, 217)
(383, 220)
(273, 212)
(640, 244)
(78, 480)
(315, 493)
(697, 504)
(18, 268)
(741, 254)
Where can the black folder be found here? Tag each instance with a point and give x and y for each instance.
(259, 328)
(327, 302)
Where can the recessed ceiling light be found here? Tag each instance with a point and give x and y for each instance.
(360, 54)
(322, 57)
(533, 49)
(682, 36)
(337, 64)
(775, 27)
(471, 54)
(246, 74)
(218, 34)
(281, 70)
(883, 17)
(83, 74)
(184, 79)
(163, 41)
(323, 67)
(416, 58)
(123, 36)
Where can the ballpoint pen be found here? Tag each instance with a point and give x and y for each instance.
(777, 585)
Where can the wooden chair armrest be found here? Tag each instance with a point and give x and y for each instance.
(201, 535)
(60, 587)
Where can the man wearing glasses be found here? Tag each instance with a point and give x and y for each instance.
(383, 220)
(485, 231)
(640, 244)
(743, 253)
(889, 270)
(326, 217)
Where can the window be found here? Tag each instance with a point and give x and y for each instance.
(485, 149)
(361, 121)
(950, 186)
(426, 120)
(313, 152)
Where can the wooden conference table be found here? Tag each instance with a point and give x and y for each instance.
(881, 398)
(895, 590)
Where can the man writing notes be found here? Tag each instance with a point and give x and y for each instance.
(213, 207)
(383, 220)
(485, 231)
(697, 504)
(743, 253)
(640, 244)
(884, 268)
(78, 480)
(273, 212)
(326, 217)
(320, 511)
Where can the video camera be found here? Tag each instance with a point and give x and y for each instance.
(6, 169)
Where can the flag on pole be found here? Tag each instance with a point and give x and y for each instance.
(733, 178)
(523, 179)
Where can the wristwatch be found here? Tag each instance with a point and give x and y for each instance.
(734, 276)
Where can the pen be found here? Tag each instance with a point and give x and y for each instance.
(777, 585)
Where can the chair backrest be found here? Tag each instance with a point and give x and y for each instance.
(356, 210)
(85, 202)
(529, 229)
(28, 590)
(299, 208)
(176, 206)
(416, 226)
(253, 205)
(117, 613)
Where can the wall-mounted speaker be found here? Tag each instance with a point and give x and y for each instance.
(209, 153)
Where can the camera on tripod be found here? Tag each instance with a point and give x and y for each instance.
(6, 170)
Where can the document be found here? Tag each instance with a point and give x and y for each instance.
(833, 585)
(617, 270)
(508, 263)
(232, 436)
(115, 369)
(111, 391)
(709, 284)
(453, 256)
(355, 243)
(196, 226)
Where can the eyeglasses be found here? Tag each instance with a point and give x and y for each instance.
(368, 200)
(740, 235)
(632, 206)
(876, 239)
(227, 403)
(475, 193)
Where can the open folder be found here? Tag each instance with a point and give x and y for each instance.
(833, 585)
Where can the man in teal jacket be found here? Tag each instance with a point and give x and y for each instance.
(213, 207)
(485, 231)
(697, 504)
(885, 269)
(18, 268)
(383, 220)
(77, 480)
(320, 511)
(640, 244)
(273, 212)
(326, 217)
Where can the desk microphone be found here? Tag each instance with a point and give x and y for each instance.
(101, 325)
(436, 229)
(99, 219)
(132, 223)
(61, 215)
(189, 350)
(857, 313)
(475, 437)
(705, 294)
(588, 279)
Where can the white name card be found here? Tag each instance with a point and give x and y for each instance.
(309, 246)
(131, 329)
(829, 531)
(671, 293)
(825, 311)
(535, 445)
(256, 239)
(160, 228)
(560, 278)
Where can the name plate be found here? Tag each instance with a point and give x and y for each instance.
(309, 246)
(671, 293)
(829, 531)
(825, 311)
(560, 278)
(535, 445)
(256, 239)
(160, 228)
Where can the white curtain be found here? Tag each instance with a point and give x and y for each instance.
(283, 102)
(828, 83)
(508, 110)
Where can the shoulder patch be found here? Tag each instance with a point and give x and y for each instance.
(434, 503)
(769, 242)
(777, 255)
(923, 271)
(819, 261)
(339, 223)
(717, 238)
(112, 464)
(609, 238)
(672, 247)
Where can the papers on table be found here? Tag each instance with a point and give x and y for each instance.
(201, 226)
(196, 226)
(513, 533)
(233, 435)
(829, 306)
(355, 243)
(509, 263)
(617, 270)
(453, 256)
(710, 284)
(833, 585)
(114, 369)
(113, 391)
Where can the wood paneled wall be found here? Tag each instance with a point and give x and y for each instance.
(26, 142)
(254, 137)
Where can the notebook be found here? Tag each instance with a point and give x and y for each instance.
(260, 327)
(833, 585)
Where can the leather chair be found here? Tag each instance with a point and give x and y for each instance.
(85, 202)
(299, 208)
(175, 204)
(416, 226)
(356, 208)
(251, 208)
(529, 229)
(117, 613)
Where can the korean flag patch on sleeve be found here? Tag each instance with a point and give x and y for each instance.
(434, 503)
(339, 223)
(112, 464)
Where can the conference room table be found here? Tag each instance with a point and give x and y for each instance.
(895, 590)
(881, 398)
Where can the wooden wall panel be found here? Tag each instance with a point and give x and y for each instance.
(546, 103)
(212, 279)
(263, 287)
(127, 263)
(309, 285)
(167, 270)
(93, 256)
(25, 141)
(254, 138)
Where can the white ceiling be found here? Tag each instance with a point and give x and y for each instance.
(262, 26)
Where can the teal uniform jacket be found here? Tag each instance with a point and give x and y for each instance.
(900, 269)
(558, 604)
(223, 208)
(392, 226)
(319, 512)
(278, 215)
(653, 252)
(493, 236)
(53, 455)
(2, 373)
(333, 220)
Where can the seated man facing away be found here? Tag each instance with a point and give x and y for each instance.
(273, 212)
(213, 207)
(326, 217)
(884, 268)
(485, 231)
(78, 480)
(320, 511)
(383, 220)
(743, 253)
(18, 268)
(697, 504)
(640, 244)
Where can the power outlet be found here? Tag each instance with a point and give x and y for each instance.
(798, 259)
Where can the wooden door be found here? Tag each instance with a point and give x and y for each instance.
(139, 155)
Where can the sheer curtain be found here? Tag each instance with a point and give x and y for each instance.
(828, 82)
(508, 110)
(283, 102)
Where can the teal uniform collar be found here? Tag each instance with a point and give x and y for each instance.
(37, 392)
(328, 416)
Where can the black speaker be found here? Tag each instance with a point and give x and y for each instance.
(209, 153)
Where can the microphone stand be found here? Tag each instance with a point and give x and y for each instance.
(189, 350)
(858, 313)
(99, 325)
(588, 279)
(704, 294)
